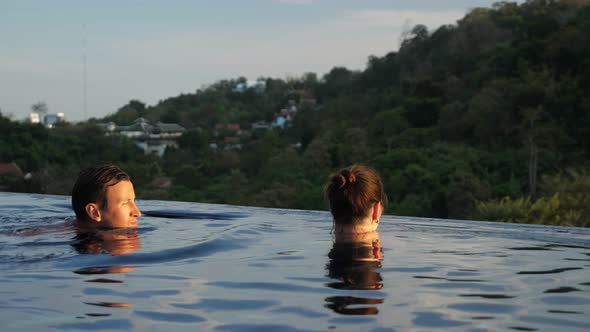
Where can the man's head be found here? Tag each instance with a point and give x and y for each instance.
(103, 197)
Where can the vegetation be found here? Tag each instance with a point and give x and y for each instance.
(566, 202)
(461, 122)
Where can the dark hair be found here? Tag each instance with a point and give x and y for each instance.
(91, 187)
(352, 191)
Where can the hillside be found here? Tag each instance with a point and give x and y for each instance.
(492, 106)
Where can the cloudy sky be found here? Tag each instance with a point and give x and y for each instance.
(152, 50)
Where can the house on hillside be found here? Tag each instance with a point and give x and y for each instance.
(48, 120)
(306, 99)
(261, 125)
(232, 143)
(152, 139)
(162, 183)
(258, 86)
(9, 172)
(224, 129)
(228, 135)
(11, 169)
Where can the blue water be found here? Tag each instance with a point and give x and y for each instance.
(204, 267)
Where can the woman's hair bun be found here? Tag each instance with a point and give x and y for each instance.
(344, 178)
(351, 178)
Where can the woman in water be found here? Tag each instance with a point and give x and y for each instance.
(356, 199)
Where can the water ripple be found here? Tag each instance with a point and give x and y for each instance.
(105, 281)
(187, 214)
(103, 324)
(565, 300)
(564, 269)
(490, 308)
(203, 249)
(306, 313)
(272, 286)
(449, 279)
(137, 294)
(488, 296)
(435, 320)
(564, 312)
(169, 317)
(458, 285)
(543, 320)
(110, 304)
(222, 304)
(257, 328)
(31, 309)
(562, 290)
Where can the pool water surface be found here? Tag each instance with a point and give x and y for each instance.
(206, 267)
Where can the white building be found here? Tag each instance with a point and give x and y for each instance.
(259, 86)
(48, 120)
(152, 139)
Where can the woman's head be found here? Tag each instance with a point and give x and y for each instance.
(352, 192)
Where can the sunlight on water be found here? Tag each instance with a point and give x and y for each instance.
(197, 266)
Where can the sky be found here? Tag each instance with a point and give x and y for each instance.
(89, 58)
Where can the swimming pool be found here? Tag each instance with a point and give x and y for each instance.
(192, 267)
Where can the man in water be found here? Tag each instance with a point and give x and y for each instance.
(103, 198)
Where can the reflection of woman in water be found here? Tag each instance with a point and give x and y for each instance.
(354, 263)
(356, 198)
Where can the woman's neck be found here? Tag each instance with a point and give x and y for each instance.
(365, 225)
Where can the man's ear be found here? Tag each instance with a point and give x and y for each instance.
(93, 212)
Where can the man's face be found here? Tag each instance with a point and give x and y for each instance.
(120, 210)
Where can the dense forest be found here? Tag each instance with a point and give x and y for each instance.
(486, 119)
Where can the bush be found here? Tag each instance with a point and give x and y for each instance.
(566, 203)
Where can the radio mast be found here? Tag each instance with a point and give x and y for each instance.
(84, 91)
